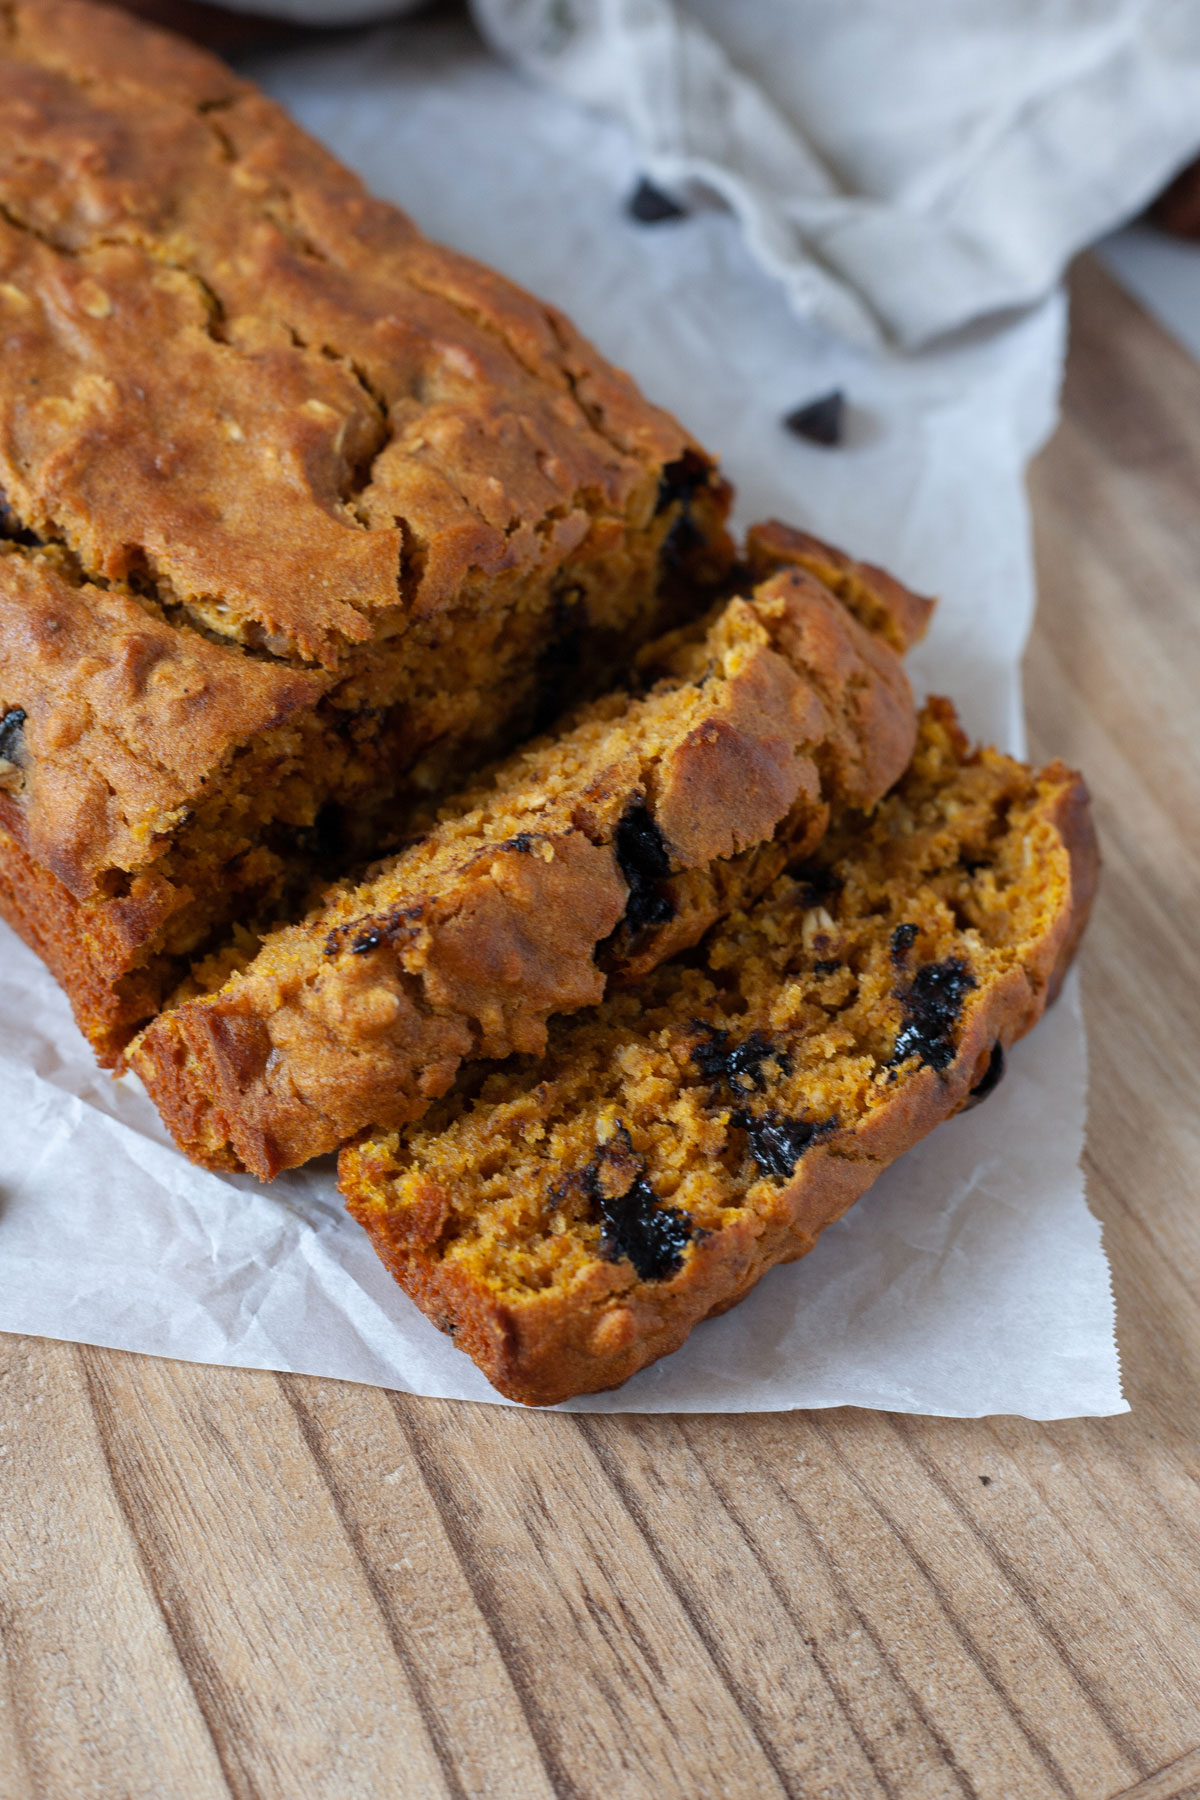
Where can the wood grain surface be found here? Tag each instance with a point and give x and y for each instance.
(220, 1583)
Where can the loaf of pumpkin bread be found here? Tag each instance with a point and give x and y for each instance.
(301, 516)
(569, 1218)
(595, 852)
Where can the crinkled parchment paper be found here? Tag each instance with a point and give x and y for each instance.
(971, 1278)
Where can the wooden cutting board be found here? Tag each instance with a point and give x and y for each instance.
(216, 1582)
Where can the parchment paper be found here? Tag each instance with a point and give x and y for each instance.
(971, 1279)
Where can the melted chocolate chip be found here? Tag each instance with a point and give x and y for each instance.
(828, 965)
(776, 1143)
(717, 1060)
(523, 843)
(991, 1078)
(644, 862)
(12, 735)
(650, 206)
(362, 936)
(636, 1227)
(820, 881)
(678, 484)
(682, 538)
(680, 480)
(820, 420)
(903, 939)
(932, 1004)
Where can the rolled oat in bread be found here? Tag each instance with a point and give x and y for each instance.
(569, 1219)
(596, 852)
(299, 513)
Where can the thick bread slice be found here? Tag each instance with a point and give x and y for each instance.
(598, 851)
(570, 1219)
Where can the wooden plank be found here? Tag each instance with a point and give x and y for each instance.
(221, 1582)
(265, 1601)
(95, 1697)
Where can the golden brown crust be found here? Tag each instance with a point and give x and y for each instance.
(883, 604)
(607, 1323)
(439, 420)
(283, 463)
(126, 717)
(362, 1013)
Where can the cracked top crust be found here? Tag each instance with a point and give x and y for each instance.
(231, 373)
(126, 722)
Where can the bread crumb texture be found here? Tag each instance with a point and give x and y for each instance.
(596, 852)
(570, 1218)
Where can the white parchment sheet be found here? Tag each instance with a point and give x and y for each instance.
(971, 1278)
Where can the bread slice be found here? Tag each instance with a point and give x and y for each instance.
(595, 852)
(567, 1220)
(300, 514)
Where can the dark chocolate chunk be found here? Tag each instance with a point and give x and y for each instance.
(819, 879)
(991, 1078)
(636, 1227)
(523, 842)
(644, 862)
(718, 1060)
(903, 939)
(361, 936)
(820, 421)
(680, 480)
(650, 206)
(932, 1004)
(828, 965)
(777, 1143)
(12, 735)
(683, 536)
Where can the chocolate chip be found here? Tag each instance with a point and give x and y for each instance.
(12, 735)
(819, 879)
(820, 421)
(650, 206)
(680, 480)
(682, 538)
(991, 1078)
(643, 860)
(636, 1227)
(932, 1004)
(827, 966)
(678, 484)
(736, 1064)
(777, 1143)
(361, 936)
(903, 939)
(522, 843)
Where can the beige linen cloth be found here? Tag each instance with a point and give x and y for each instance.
(903, 166)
